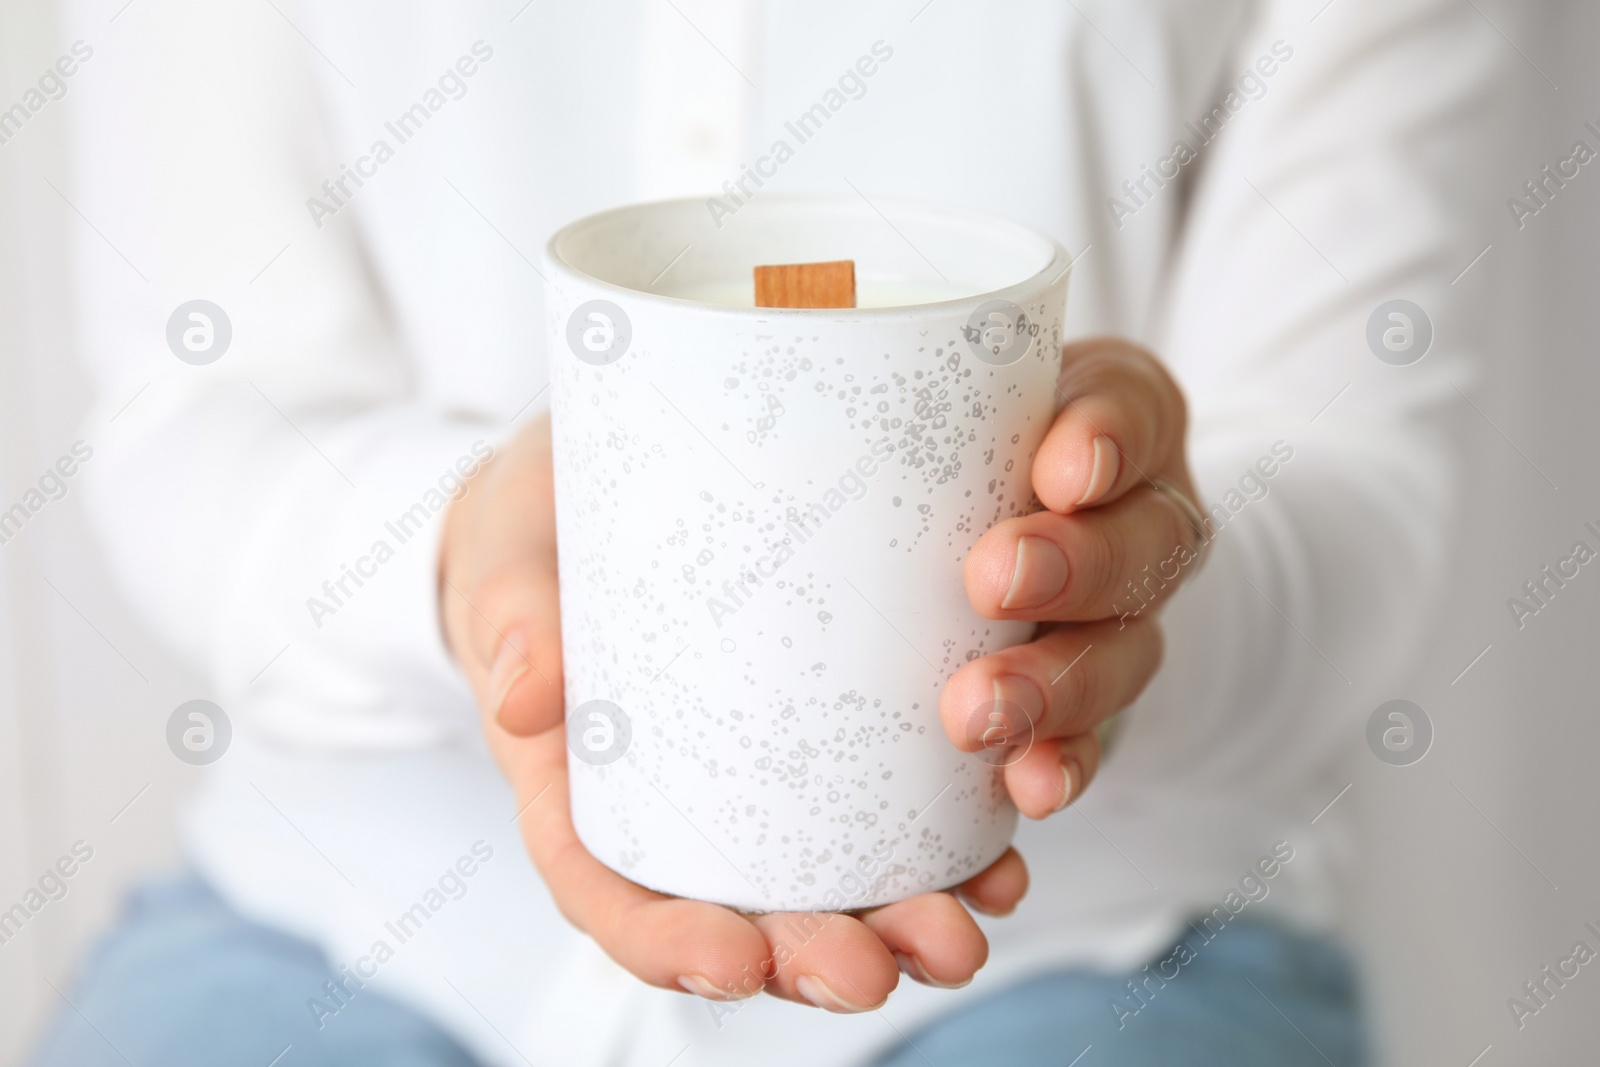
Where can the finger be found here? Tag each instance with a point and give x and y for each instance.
(497, 584)
(690, 945)
(1096, 564)
(998, 889)
(1067, 681)
(932, 938)
(1053, 774)
(512, 653)
(1123, 423)
(827, 959)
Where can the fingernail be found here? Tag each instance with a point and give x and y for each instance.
(701, 986)
(1069, 779)
(1015, 690)
(817, 992)
(913, 968)
(1107, 461)
(1039, 576)
(509, 665)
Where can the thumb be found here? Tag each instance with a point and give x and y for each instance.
(512, 653)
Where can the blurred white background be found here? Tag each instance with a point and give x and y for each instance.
(1481, 863)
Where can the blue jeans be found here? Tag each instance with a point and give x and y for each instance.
(1255, 995)
(186, 981)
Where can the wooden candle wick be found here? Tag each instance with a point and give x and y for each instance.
(807, 285)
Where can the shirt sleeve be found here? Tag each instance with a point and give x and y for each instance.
(1338, 178)
(272, 506)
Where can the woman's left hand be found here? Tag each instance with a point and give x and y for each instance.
(1112, 543)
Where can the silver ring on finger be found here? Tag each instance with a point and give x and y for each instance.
(1191, 512)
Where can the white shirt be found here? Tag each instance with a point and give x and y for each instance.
(383, 327)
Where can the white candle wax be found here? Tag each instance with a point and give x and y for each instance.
(870, 292)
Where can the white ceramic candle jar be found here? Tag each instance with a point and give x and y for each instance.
(762, 517)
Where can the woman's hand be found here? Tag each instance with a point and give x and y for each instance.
(501, 618)
(1112, 544)
(1068, 566)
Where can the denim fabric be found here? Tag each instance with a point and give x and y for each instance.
(1253, 995)
(185, 981)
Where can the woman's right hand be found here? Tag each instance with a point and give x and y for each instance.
(501, 617)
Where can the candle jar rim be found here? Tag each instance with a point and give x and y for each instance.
(629, 249)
